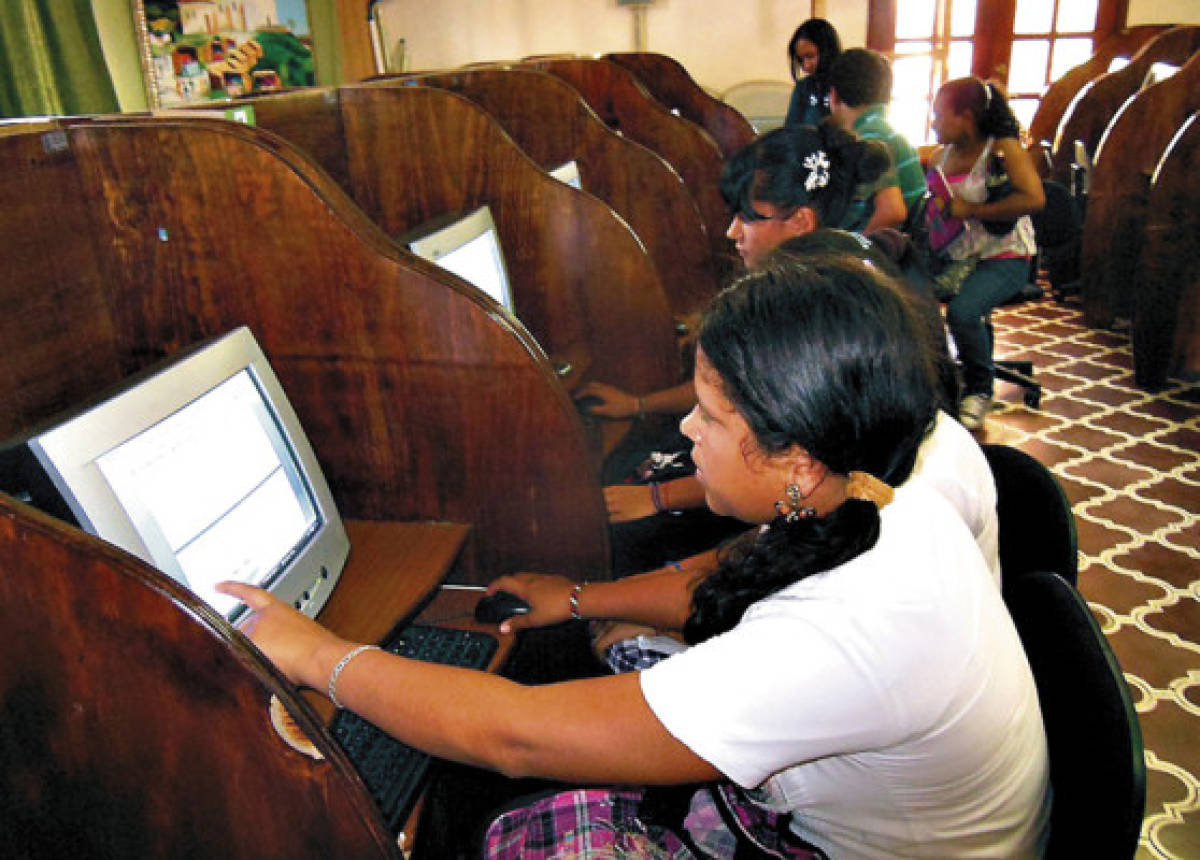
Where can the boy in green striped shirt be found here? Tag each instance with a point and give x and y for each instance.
(860, 85)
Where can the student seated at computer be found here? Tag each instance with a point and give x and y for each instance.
(852, 661)
(786, 184)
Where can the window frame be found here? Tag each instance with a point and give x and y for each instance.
(993, 38)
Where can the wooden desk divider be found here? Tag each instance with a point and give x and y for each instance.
(617, 96)
(1053, 103)
(138, 724)
(1166, 290)
(670, 83)
(1095, 105)
(130, 238)
(1120, 183)
(582, 284)
(552, 124)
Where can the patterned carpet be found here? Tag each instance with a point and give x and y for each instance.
(1130, 463)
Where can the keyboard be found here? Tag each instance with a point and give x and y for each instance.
(393, 771)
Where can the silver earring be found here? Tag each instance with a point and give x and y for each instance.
(793, 510)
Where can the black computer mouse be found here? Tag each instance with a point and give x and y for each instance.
(586, 402)
(494, 608)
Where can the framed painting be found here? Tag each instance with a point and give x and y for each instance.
(193, 51)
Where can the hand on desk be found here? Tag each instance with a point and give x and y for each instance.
(627, 502)
(300, 648)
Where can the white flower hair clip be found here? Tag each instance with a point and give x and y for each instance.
(818, 170)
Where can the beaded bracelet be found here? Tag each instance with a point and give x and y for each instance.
(574, 600)
(658, 496)
(337, 670)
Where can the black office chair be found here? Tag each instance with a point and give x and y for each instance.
(1037, 525)
(1059, 231)
(1097, 763)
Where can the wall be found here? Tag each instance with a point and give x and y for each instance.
(114, 21)
(719, 43)
(1163, 12)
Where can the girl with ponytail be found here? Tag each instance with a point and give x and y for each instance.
(854, 668)
(994, 188)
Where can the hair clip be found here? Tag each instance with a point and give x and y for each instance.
(818, 170)
(866, 487)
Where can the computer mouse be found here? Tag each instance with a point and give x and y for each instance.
(586, 402)
(494, 608)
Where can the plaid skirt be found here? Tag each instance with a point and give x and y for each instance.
(584, 824)
(606, 824)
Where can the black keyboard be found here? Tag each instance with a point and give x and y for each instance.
(393, 771)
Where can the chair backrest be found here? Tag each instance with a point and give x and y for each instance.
(763, 103)
(1058, 228)
(1097, 764)
(1060, 221)
(1037, 526)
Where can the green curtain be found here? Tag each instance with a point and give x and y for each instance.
(51, 61)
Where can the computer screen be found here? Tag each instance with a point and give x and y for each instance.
(470, 248)
(200, 467)
(568, 173)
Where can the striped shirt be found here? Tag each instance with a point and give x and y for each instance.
(871, 125)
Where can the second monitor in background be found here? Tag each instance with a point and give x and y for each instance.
(568, 173)
(468, 246)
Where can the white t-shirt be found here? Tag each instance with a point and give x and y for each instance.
(887, 703)
(952, 462)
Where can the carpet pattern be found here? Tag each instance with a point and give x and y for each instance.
(1129, 461)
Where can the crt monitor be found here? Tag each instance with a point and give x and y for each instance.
(198, 466)
(468, 246)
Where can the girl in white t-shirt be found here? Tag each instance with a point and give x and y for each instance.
(852, 664)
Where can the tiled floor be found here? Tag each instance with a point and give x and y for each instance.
(1130, 463)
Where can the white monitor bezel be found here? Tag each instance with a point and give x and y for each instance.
(435, 244)
(69, 450)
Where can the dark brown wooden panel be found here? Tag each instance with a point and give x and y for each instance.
(669, 82)
(421, 401)
(136, 722)
(1089, 114)
(624, 104)
(1120, 184)
(1166, 292)
(552, 124)
(1058, 96)
(582, 284)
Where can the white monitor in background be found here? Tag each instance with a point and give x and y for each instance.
(568, 173)
(469, 247)
(198, 466)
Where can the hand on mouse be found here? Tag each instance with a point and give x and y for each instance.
(548, 596)
(608, 401)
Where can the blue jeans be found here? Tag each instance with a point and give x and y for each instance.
(993, 283)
